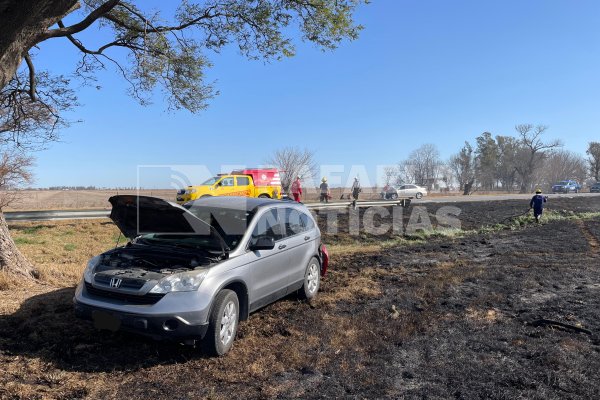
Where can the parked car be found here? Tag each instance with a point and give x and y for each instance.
(191, 273)
(566, 187)
(408, 190)
(595, 188)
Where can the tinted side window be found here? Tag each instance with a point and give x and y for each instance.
(293, 222)
(268, 225)
(243, 181)
(307, 222)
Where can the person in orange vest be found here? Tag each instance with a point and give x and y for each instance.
(297, 189)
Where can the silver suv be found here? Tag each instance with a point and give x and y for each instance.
(192, 272)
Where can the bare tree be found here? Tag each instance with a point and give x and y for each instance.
(532, 154)
(390, 173)
(14, 172)
(293, 162)
(422, 166)
(593, 160)
(563, 164)
(463, 166)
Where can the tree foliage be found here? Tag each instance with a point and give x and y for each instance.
(463, 166)
(150, 49)
(593, 153)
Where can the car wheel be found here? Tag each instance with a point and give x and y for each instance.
(312, 279)
(264, 196)
(394, 196)
(419, 195)
(223, 323)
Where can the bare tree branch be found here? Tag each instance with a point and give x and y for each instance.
(31, 77)
(83, 24)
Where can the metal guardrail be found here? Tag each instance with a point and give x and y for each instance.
(52, 215)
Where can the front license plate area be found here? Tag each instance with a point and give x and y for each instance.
(104, 320)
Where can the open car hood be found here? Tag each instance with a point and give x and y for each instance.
(139, 215)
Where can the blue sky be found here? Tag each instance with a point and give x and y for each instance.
(437, 72)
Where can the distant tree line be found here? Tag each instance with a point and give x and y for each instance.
(518, 163)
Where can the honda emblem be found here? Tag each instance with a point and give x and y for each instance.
(115, 282)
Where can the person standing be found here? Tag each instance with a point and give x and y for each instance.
(297, 189)
(537, 203)
(324, 191)
(356, 189)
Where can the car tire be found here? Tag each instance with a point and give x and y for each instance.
(394, 196)
(223, 324)
(419, 195)
(312, 280)
(264, 196)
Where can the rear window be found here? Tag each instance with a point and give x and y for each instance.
(297, 222)
(243, 181)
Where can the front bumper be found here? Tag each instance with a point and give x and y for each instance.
(163, 327)
(177, 326)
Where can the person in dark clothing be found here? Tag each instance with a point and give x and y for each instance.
(537, 203)
(356, 189)
(324, 187)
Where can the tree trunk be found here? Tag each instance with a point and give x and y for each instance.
(22, 22)
(11, 259)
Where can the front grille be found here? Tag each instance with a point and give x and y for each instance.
(149, 298)
(126, 283)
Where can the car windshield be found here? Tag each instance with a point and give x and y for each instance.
(230, 223)
(210, 181)
(207, 243)
(563, 183)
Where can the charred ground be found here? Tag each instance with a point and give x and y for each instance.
(507, 311)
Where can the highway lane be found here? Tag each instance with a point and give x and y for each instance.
(50, 215)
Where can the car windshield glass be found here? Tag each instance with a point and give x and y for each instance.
(210, 181)
(230, 223)
(563, 183)
(208, 243)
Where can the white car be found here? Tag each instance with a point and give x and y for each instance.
(408, 190)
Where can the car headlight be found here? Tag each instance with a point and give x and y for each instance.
(190, 191)
(88, 272)
(182, 282)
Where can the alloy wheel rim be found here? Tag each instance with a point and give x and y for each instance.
(312, 278)
(228, 321)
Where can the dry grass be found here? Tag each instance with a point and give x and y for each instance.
(60, 249)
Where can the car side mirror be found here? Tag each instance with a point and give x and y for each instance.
(263, 243)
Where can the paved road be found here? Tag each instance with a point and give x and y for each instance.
(497, 197)
(50, 215)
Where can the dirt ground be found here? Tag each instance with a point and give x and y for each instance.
(495, 311)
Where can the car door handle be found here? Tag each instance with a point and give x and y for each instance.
(306, 237)
(282, 246)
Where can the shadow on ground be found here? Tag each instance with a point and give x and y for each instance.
(45, 326)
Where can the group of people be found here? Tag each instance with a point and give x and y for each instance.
(324, 191)
(536, 203)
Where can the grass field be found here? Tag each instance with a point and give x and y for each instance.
(446, 315)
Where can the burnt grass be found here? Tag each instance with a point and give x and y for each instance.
(504, 314)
